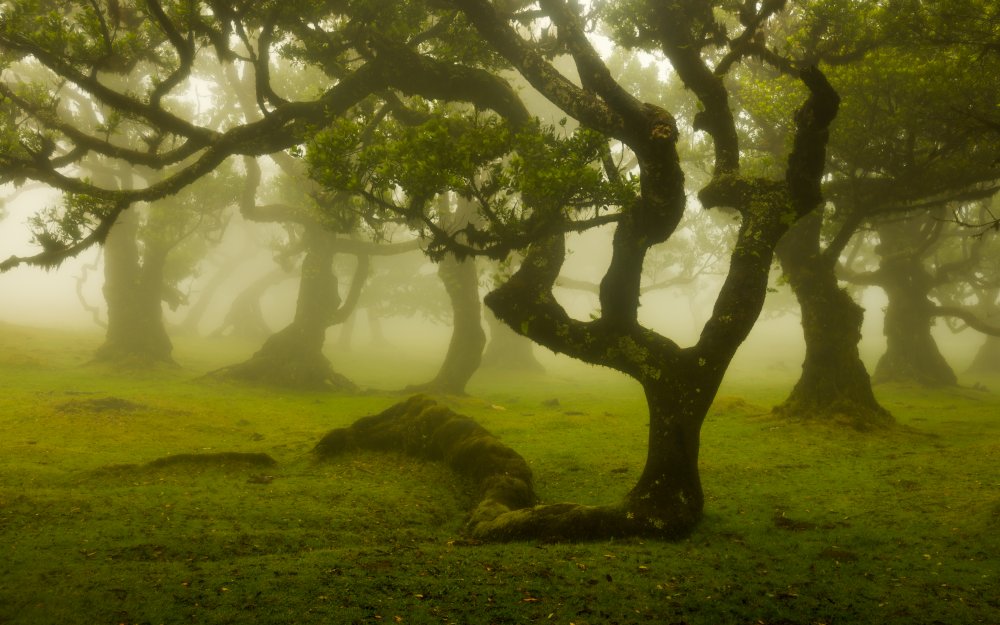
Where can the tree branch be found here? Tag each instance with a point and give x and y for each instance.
(969, 318)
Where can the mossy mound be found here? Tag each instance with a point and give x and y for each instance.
(217, 460)
(99, 405)
(223, 459)
(422, 428)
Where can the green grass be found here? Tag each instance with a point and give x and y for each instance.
(805, 524)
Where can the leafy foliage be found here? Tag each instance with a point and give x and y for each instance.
(519, 177)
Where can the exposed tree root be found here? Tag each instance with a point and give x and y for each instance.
(506, 508)
(425, 429)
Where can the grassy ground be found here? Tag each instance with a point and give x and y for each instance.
(805, 524)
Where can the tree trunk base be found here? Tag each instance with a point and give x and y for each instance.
(923, 370)
(858, 415)
(305, 373)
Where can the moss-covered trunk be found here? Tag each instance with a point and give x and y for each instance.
(465, 349)
(834, 384)
(133, 289)
(668, 494)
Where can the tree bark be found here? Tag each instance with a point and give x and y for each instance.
(133, 291)
(293, 357)
(465, 349)
(834, 385)
(668, 493)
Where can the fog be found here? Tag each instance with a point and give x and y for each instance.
(42, 298)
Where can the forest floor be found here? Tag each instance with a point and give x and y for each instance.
(805, 523)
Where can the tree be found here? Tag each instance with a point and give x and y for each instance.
(294, 356)
(834, 384)
(461, 281)
(244, 317)
(148, 252)
(919, 262)
(549, 173)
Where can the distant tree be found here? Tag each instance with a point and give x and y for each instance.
(926, 269)
(973, 290)
(398, 286)
(460, 278)
(244, 318)
(148, 252)
(506, 350)
(294, 356)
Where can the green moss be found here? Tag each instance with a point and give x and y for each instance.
(425, 429)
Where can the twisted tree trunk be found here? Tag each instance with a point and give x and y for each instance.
(911, 353)
(834, 384)
(293, 357)
(465, 349)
